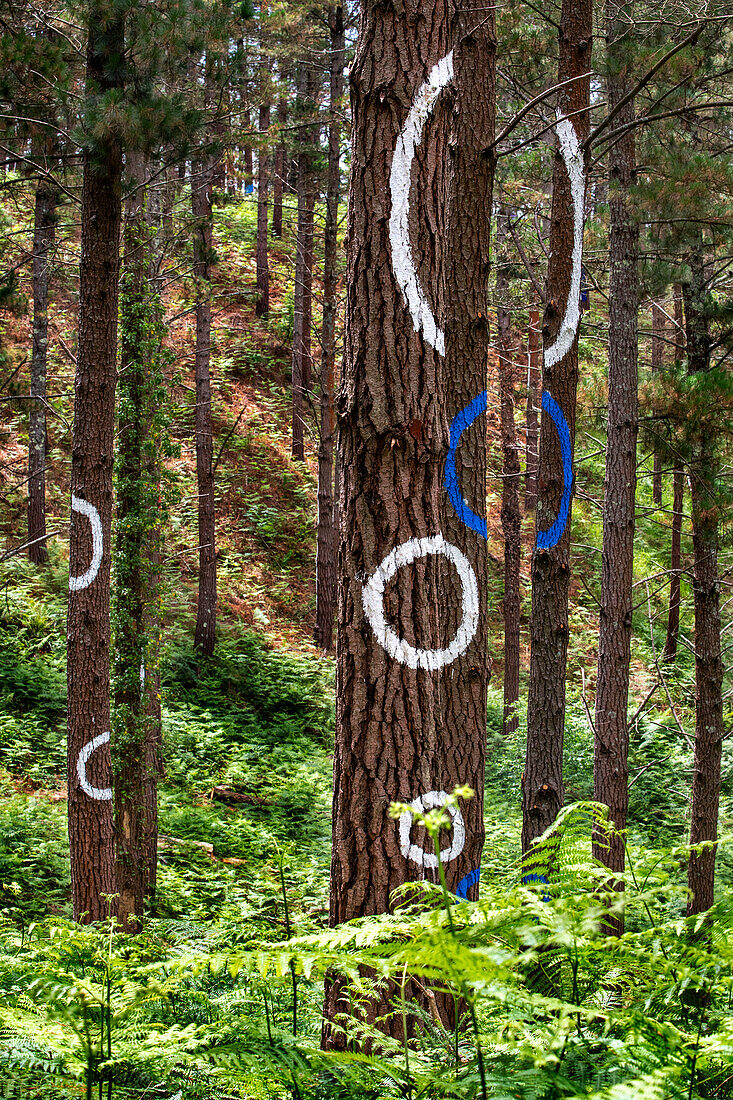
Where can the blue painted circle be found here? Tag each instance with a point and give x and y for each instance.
(461, 421)
(550, 537)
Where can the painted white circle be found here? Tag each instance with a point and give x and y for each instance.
(399, 220)
(372, 598)
(87, 509)
(573, 157)
(101, 794)
(413, 852)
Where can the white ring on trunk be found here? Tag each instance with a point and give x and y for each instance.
(414, 852)
(101, 794)
(87, 509)
(573, 157)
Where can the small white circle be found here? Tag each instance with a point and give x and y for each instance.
(372, 597)
(414, 852)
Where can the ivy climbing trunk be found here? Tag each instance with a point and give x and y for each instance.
(92, 449)
(706, 505)
(327, 546)
(533, 408)
(44, 230)
(303, 290)
(542, 785)
(262, 305)
(201, 206)
(412, 662)
(611, 764)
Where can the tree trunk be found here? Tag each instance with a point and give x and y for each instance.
(262, 307)
(135, 604)
(249, 174)
(533, 407)
(201, 205)
(678, 482)
(657, 358)
(44, 230)
(277, 185)
(704, 477)
(611, 770)
(327, 546)
(543, 791)
(412, 650)
(511, 520)
(88, 628)
(302, 298)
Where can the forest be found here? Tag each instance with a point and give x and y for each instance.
(366, 550)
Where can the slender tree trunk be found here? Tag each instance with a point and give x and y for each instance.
(678, 483)
(511, 519)
(533, 407)
(657, 358)
(412, 652)
(249, 173)
(327, 544)
(704, 476)
(92, 449)
(302, 304)
(611, 771)
(201, 204)
(262, 307)
(543, 791)
(277, 184)
(44, 230)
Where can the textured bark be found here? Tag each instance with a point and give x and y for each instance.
(303, 291)
(201, 205)
(88, 628)
(511, 519)
(704, 475)
(533, 408)
(543, 792)
(327, 544)
(403, 731)
(277, 183)
(44, 230)
(262, 306)
(657, 358)
(678, 482)
(611, 767)
(247, 156)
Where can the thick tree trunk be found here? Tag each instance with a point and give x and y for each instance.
(511, 519)
(657, 359)
(92, 449)
(412, 651)
(678, 483)
(277, 183)
(327, 544)
(533, 408)
(201, 205)
(543, 792)
(44, 230)
(303, 291)
(611, 770)
(262, 306)
(704, 475)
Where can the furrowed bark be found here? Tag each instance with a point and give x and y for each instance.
(44, 231)
(657, 358)
(543, 792)
(277, 183)
(302, 295)
(678, 487)
(533, 408)
(262, 305)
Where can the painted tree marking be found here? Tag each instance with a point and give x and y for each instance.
(101, 794)
(573, 157)
(373, 600)
(399, 220)
(414, 852)
(461, 421)
(87, 509)
(548, 538)
(467, 882)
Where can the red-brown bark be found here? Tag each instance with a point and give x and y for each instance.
(303, 290)
(534, 376)
(44, 231)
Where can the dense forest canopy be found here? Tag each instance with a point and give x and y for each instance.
(367, 581)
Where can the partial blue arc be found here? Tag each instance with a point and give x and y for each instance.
(550, 537)
(462, 420)
(468, 880)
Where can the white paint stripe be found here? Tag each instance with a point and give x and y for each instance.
(573, 157)
(102, 794)
(399, 220)
(418, 855)
(87, 509)
(373, 600)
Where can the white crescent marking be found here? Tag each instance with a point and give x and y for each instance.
(87, 509)
(399, 220)
(102, 794)
(372, 597)
(573, 157)
(418, 855)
